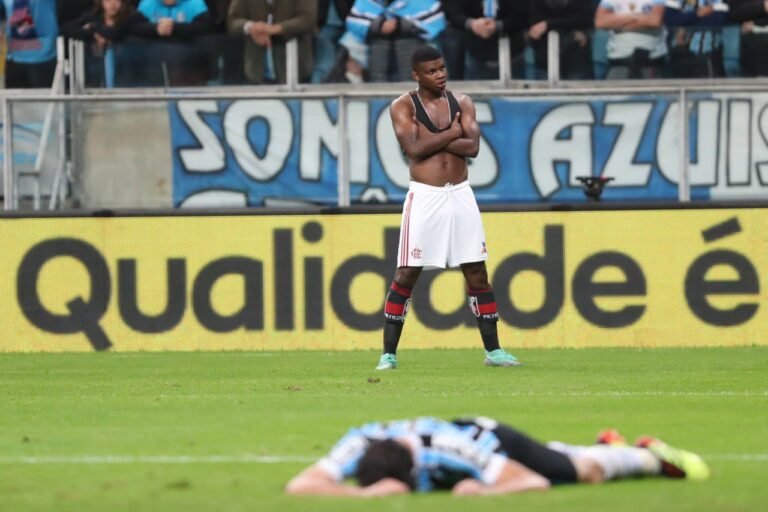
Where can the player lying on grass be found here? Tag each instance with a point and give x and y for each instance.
(479, 456)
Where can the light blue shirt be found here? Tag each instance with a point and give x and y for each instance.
(442, 451)
(31, 30)
(622, 45)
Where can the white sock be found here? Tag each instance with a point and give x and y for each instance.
(616, 461)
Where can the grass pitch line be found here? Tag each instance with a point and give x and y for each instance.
(246, 459)
(157, 459)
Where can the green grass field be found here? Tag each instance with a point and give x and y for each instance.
(194, 431)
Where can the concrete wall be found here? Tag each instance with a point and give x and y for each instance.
(124, 156)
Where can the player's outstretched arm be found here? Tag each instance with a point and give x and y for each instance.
(418, 148)
(316, 481)
(468, 144)
(514, 477)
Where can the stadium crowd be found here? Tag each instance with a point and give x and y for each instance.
(234, 42)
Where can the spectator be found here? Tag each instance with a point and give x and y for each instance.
(109, 21)
(177, 19)
(637, 46)
(696, 43)
(753, 17)
(331, 15)
(267, 26)
(225, 50)
(174, 24)
(31, 30)
(381, 35)
(573, 20)
(472, 37)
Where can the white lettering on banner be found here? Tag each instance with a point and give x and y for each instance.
(216, 199)
(762, 166)
(277, 116)
(729, 154)
(391, 154)
(740, 176)
(622, 165)
(317, 130)
(358, 118)
(703, 166)
(484, 169)
(210, 156)
(548, 149)
(739, 141)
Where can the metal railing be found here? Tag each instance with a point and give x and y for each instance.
(71, 71)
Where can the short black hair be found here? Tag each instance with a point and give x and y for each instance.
(386, 459)
(424, 53)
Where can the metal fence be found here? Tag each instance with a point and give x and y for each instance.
(69, 96)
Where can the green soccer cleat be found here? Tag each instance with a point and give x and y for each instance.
(675, 463)
(387, 362)
(500, 358)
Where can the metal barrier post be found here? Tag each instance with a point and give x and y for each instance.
(9, 183)
(342, 170)
(505, 61)
(70, 68)
(79, 70)
(683, 185)
(553, 57)
(292, 64)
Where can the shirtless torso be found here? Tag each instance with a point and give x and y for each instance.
(436, 158)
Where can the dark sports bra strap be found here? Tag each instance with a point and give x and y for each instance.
(453, 105)
(421, 114)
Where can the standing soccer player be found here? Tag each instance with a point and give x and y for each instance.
(441, 224)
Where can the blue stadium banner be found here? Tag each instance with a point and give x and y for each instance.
(277, 151)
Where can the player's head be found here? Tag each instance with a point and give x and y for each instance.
(428, 67)
(386, 459)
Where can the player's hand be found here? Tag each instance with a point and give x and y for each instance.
(456, 125)
(259, 32)
(165, 26)
(705, 11)
(581, 38)
(538, 30)
(468, 487)
(386, 487)
(484, 28)
(389, 26)
(747, 27)
(100, 41)
(258, 27)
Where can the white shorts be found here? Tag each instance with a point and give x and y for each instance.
(441, 226)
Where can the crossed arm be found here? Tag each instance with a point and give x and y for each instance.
(462, 138)
(607, 19)
(316, 481)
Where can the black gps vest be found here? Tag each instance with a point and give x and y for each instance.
(423, 118)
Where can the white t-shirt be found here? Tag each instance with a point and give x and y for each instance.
(621, 45)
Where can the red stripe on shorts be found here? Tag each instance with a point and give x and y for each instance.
(406, 229)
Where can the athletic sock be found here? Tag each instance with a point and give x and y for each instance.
(395, 311)
(615, 461)
(483, 306)
(624, 461)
